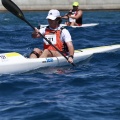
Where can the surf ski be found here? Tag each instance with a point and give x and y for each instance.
(13, 62)
(83, 25)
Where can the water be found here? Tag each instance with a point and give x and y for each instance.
(89, 92)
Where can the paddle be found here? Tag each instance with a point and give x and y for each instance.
(14, 9)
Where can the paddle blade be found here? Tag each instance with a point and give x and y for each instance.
(13, 8)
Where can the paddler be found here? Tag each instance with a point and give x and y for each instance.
(74, 16)
(58, 36)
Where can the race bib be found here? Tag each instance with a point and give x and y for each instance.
(71, 19)
(51, 38)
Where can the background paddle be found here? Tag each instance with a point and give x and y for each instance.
(14, 9)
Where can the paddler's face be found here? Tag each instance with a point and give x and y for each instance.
(52, 23)
(75, 7)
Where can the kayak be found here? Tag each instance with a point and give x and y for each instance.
(83, 25)
(13, 62)
(86, 25)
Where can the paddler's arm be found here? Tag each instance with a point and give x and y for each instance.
(35, 33)
(79, 15)
(66, 16)
(71, 51)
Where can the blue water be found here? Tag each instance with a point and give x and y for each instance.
(91, 91)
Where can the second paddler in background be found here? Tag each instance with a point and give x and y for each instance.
(74, 16)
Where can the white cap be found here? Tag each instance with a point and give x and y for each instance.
(53, 14)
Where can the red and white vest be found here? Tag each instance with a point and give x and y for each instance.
(54, 37)
(79, 20)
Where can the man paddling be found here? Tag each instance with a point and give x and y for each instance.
(74, 16)
(58, 36)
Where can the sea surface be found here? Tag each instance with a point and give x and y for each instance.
(90, 91)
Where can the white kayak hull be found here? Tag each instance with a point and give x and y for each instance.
(83, 25)
(11, 63)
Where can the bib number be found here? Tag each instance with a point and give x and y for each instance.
(51, 38)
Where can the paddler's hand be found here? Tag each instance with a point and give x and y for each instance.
(70, 59)
(35, 33)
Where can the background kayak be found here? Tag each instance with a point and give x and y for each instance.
(83, 25)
